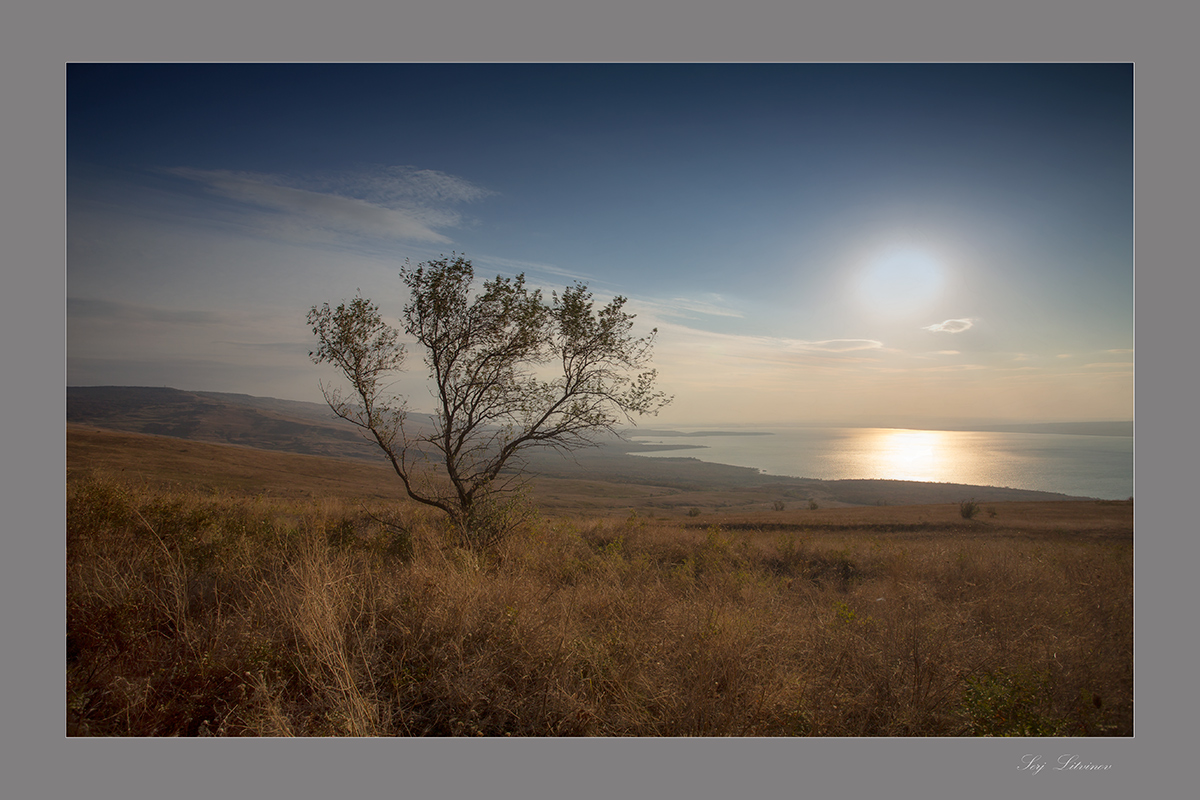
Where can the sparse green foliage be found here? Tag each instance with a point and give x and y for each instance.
(1010, 703)
(846, 615)
(968, 509)
(487, 357)
(812, 505)
(790, 552)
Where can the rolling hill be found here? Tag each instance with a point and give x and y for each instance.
(601, 477)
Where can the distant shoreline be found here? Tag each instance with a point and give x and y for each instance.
(1108, 428)
(670, 433)
(864, 491)
(159, 457)
(774, 463)
(311, 429)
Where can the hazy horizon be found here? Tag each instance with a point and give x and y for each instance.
(651, 424)
(858, 245)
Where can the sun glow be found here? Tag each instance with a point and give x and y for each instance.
(901, 280)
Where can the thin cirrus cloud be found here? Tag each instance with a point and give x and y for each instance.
(838, 345)
(950, 368)
(935, 353)
(79, 309)
(693, 340)
(394, 202)
(741, 351)
(392, 187)
(95, 321)
(514, 266)
(688, 308)
(950, 326)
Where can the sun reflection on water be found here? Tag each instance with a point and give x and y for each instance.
(1092, 466)
(908, 455)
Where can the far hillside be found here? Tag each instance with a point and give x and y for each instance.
(598, 478)
(261, 422)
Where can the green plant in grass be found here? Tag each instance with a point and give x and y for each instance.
(1010, 703)
(844, 614)
(968, 508)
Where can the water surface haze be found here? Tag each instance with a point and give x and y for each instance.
(1080, 465)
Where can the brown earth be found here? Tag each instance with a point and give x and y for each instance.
(163, 461)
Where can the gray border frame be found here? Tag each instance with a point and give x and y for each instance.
(35, 44)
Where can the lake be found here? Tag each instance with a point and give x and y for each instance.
(1088, 466)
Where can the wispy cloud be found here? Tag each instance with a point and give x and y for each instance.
(147, 327)
(681, 343)
(110, 311)
(269, 347)
(835, 345)
(398, 186)
(950, 368)
(712, 305)
(950, 326)
(395, 202)
(128, 339)
(532, 268)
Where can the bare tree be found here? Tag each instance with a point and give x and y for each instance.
(509, 372)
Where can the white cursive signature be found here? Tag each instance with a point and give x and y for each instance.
(1033, 764)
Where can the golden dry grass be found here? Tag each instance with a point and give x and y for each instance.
(210, 610)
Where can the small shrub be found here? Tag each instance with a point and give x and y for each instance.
(846, 615)
(779, 505)
(835, 568)
(789, 558)
(693, 512)
(968, 509)
(614, 547)
(812, 505)
(341, 532)
(1003, 703)
(400, 545)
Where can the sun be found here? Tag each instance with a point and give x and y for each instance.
(900, 281)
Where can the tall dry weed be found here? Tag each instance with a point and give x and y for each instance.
(198, 614)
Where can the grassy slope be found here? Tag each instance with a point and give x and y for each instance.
(231, 590)
(599, 484)
(168, 463)
(598, 479)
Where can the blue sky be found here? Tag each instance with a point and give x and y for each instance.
(857, 244)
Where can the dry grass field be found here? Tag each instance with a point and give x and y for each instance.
(217, 590)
